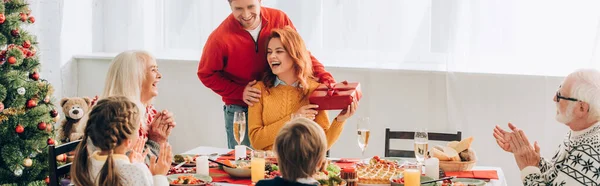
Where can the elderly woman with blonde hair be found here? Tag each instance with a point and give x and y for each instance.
(135, 75)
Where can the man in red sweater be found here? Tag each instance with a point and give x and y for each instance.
(234, 58)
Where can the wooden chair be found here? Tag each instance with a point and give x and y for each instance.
(407, 135)
(55, 171)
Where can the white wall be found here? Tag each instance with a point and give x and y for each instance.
(401, 100)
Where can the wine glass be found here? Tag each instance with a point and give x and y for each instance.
(239, 126)
(421, 145)
(362, 128)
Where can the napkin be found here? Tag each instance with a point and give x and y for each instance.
(229, 156)
(475, 174)
(219, 175)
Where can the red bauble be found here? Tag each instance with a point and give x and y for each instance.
(31, 103)
(32, 19)
(42, 125)
(2, 18)
(27, 44)
(15, 33)
(12, 60)
(35, 76)
(19, 129)
(23, 16)
(50, 141)
(47, 180)
(53, 113)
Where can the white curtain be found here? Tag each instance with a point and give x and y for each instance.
(524, 37)
(493, 36)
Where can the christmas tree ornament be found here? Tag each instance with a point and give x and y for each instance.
(19, 129)
(1, 106)
(26, 44)
(12, 60)
(53, 113)
(42, 125)
(2, 18)
(47, 100)
(21, 91)
(33, 154)
(61, 158)
(55, 119)
(32, 51)
(18, 170)
(47, 180)
(27, 162)
(15, 32)
(49, 128)
(50, 141)
(31, 103)
(23, 16)
(35, 76)
(32, 19)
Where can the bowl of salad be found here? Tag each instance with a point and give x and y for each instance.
(330, 176)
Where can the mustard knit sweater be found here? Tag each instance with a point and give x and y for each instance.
(276, 107)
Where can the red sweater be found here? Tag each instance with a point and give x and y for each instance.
(231, 59)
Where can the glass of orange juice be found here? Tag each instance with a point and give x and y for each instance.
(412, 175)
(257, 165)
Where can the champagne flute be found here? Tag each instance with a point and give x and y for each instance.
(421, 145)
(363, 133)
(239, 126)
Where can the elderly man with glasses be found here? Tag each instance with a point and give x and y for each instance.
(577, 160)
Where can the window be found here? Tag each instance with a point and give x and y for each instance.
(354, 33)
(494, 36)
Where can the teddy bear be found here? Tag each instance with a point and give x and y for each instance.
(74, 108)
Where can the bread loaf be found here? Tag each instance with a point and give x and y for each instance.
(464, 144)
(467, 155)
(445, 153)
(453, 144)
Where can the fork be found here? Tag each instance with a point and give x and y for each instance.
(179, 165)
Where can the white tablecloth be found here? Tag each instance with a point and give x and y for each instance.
(208, 150)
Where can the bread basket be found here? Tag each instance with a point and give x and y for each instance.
(452, 166)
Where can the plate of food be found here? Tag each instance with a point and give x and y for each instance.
(189, 159)
(463, 182)
(188, 179)
(330, 176)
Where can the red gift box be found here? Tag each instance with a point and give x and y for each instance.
(335, 96)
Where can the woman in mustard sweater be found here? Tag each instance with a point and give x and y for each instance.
(284, 93)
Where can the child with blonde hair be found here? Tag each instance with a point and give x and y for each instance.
(300, 148)
(112, 128)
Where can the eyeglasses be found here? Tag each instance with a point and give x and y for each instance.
(558, 97)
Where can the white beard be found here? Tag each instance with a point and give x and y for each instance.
(567, 117)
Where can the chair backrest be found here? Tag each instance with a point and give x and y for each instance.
(408, 135)
(55, 171)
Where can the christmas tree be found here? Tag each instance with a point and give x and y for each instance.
(26, 110)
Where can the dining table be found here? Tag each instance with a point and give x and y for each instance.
(204, 150)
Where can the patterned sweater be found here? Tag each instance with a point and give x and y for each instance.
(577, 162)
(274, 109)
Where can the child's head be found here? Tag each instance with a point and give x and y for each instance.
(300, 146)
(113, 122)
